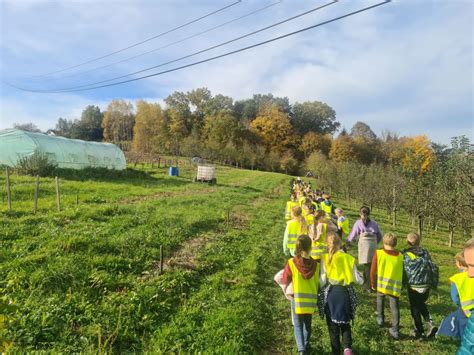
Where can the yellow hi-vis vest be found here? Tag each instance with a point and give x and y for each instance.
(319, 247)
(344, 225)
(389, 273)
(340, 270)
(326, 208)
(309, 219)
(305, 290)
(289, 207)
(293, 233)
(465, 286)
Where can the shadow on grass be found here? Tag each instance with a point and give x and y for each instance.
(127, 176)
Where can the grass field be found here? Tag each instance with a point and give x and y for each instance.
(86, 278)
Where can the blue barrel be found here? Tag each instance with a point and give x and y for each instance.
(174, 171)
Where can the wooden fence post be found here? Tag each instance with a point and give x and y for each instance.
(161, 259)
(9, 193)
(58, 195)
(37, 182)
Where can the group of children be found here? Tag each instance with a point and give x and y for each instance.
(320, 273)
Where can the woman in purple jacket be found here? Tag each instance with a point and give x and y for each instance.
(367, 234)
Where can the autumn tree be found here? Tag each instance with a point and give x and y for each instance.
(118, 122)
(149, 124)
(275, 130)
(342, 148)
(312, 142)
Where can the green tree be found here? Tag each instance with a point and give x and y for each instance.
(314, 116)
(30, 127)
(362, 131)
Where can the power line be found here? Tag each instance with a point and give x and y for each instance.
(218, 56)
(141, 42)
(172, 43)
(203, 50)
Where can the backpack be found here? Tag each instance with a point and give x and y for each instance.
(420, 269)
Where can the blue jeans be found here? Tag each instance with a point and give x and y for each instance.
(302, 328)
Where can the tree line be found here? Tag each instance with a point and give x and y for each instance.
(429, 181)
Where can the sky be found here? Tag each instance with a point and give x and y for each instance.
(406, 66)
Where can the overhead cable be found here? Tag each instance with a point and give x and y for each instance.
(172, 43)
(218, 56)
(141, 42)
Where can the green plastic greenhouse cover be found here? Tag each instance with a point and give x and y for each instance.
(67, 153)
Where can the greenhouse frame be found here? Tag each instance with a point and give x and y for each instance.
(66, 153)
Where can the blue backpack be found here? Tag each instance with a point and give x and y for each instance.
(419, 269)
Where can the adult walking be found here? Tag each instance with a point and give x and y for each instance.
(366, 232)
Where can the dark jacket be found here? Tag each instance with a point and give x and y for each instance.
(420, 271)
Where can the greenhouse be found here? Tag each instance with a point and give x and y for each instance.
(66, 153)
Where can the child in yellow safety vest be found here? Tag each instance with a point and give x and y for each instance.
(386, 276)
(303, 272)
(342, 223)
(462, 294)
(294, 227)
(293, 202)
(322, 225)
(337, 300)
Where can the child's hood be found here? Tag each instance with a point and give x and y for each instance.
(306, 267)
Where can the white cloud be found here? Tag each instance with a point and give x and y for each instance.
(402, 63)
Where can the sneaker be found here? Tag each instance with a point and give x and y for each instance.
(394, 334)
(416, 334)
(380, 321)
(431, 329)
(347, 351)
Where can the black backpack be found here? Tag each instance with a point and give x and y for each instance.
(419, 269)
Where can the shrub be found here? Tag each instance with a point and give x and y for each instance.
(36, 164)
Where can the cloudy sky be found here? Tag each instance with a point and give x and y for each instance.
(406, 66)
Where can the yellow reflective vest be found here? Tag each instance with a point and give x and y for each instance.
(294, 230)
(389, 273)
(340, 270)
(289, 207)
(319, 247)
(343, 225)
(465, 286)
(309, 219)
(326, 208)
(305, 290)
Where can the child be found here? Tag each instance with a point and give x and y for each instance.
(294, 227)
(467, 341)
(342, 223)
(327, 205)
(338, 299)
(318, 233)
(290, 204)
(303, 272)
(386, 275)
(421, 275)
(453, 324)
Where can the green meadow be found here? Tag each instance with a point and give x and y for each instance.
(87, 278)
